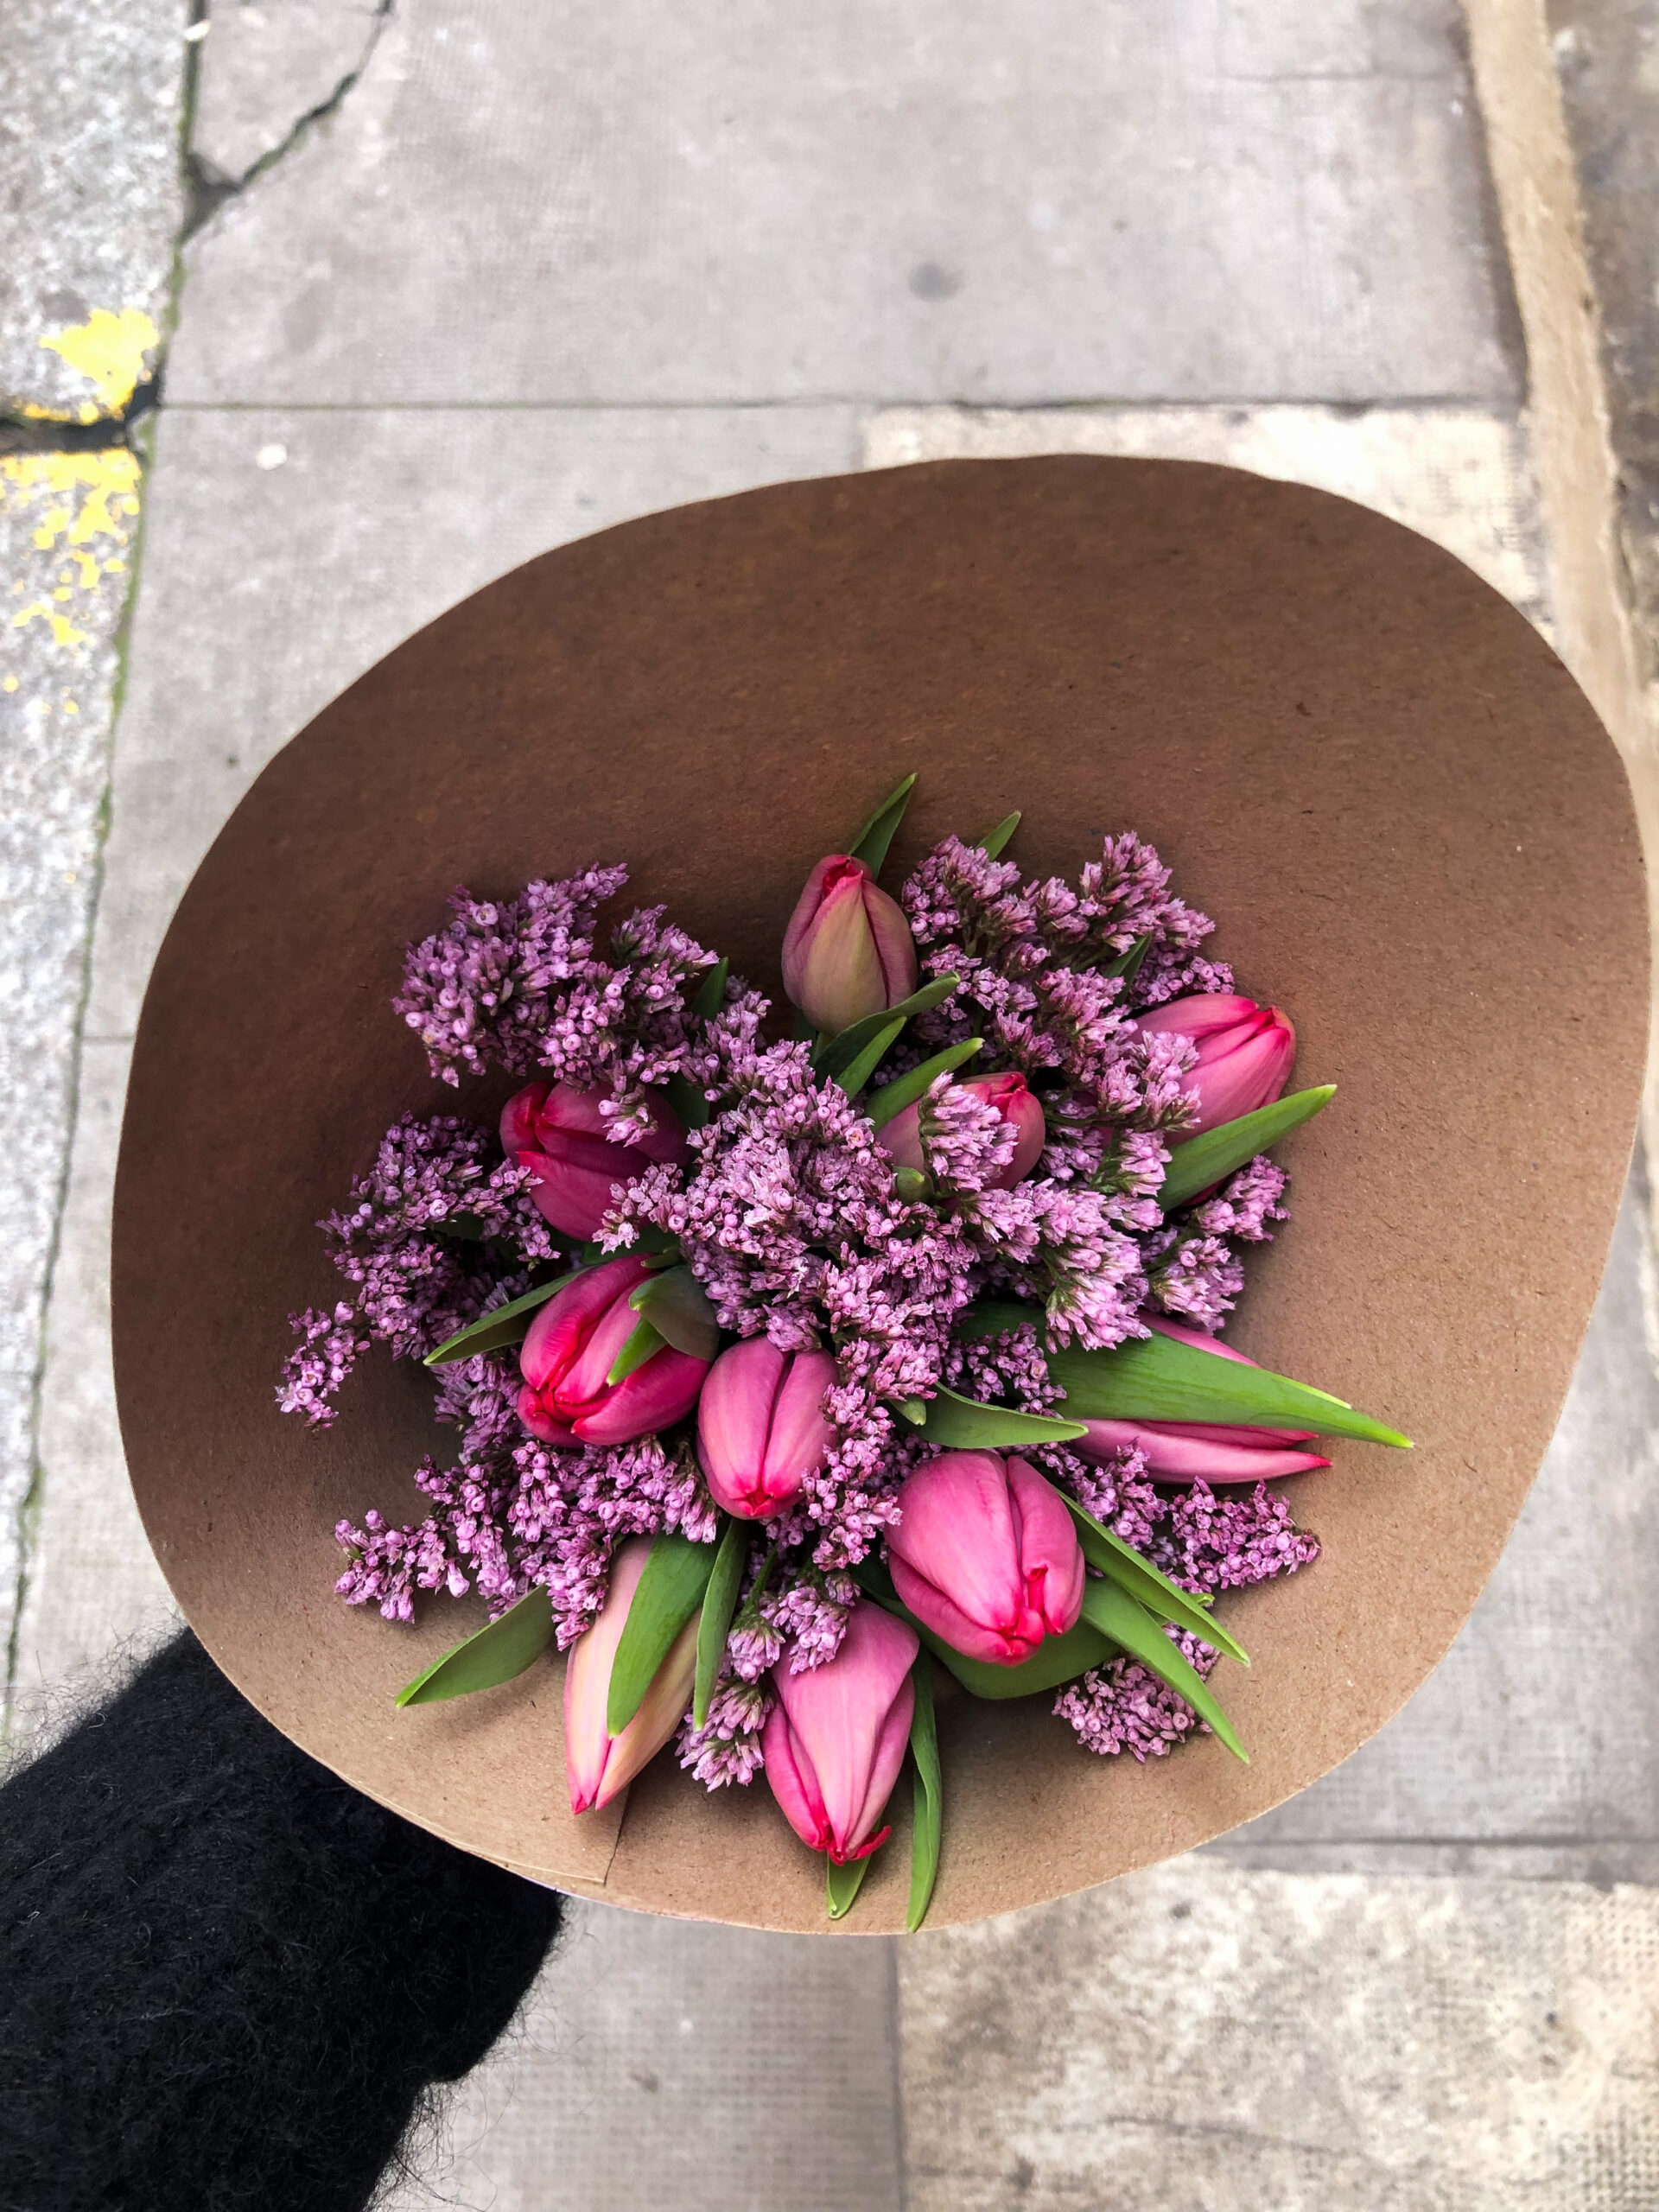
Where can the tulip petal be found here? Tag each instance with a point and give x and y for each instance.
(801, 1434)
(794, 1784)
(1048, 1546)
(654, 1396)
(890, 1747)
(660, 1714)
(837, 1712)
(588, 1676)
(557, 1333)
(956, 1533)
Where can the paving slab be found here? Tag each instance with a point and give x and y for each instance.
(663, 2064)
(1607, 61)
(67, 527)
(1224, 2041)
(91, 194)
(711, 203)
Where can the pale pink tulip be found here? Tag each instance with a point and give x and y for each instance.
(596, 1763)
(573, 1345)
(835, 1741)
(557, 1131)
(761, 1426)
(1245, 1053)
(902, 1135)
(986, 1555)
(847, 951)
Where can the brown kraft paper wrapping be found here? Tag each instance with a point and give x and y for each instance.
(1415, 837)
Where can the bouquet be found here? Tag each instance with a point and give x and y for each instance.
(801, 1379)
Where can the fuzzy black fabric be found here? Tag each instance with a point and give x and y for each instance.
(226, 1979)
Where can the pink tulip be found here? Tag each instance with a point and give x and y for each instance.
(902, 1135)
(761, 1429)
(986, 1555)
(1215, 1451)
(558, 1133)
(1245, 1052)
(572, 1346)
(835, 1741)
(848, 950)
(596, 1763)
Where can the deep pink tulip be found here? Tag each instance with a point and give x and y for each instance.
(1245, 1052)
(558, 1133)
(1215, 1451)
(571, 1348)
(762, 1427)
(986, 1555)
(847, 951)
(835, 1741)
(596, 1763)
(902, 1135)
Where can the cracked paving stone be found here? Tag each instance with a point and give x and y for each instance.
(265, 65)
(67, 522)
(91, 104)
(642, 205)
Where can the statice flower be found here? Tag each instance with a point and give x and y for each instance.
(414, 1238)
(1192, 1273)
(727, 1748)
(320, 1363)
(812, 1609)
(1208, 1543)
(1124, 1706)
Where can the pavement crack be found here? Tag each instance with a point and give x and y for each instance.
(206, 187)
(44, 434)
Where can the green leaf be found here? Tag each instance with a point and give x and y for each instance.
(1116, 1615)
(1128, 964)
(1140, 1579)
(994, 840)
(844, 1882)
(501, 1325)
(1202, 1160)
(928, 1824)
(513, 1641)
(837, 1052)
(1057, 1658)
(905, 1089)
(674, 1303)
(1163, 1378)
(718, 1607)
(711, 996)
(910, 1182)
(667, 1594)
(644, 1342)
(853, 1077)
(687, 1101)
(871, 844)
(965, 1424)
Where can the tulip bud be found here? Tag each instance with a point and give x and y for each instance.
(986, 1555)
(596, 1763)
(902, 1135)
(762, 1427)
(573, 1345)
(1245, 1052)
(557, 1131)
(848, 950)
(835, 1741)
(1193, 1451)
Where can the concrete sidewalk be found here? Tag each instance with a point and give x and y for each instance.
(460, 282)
